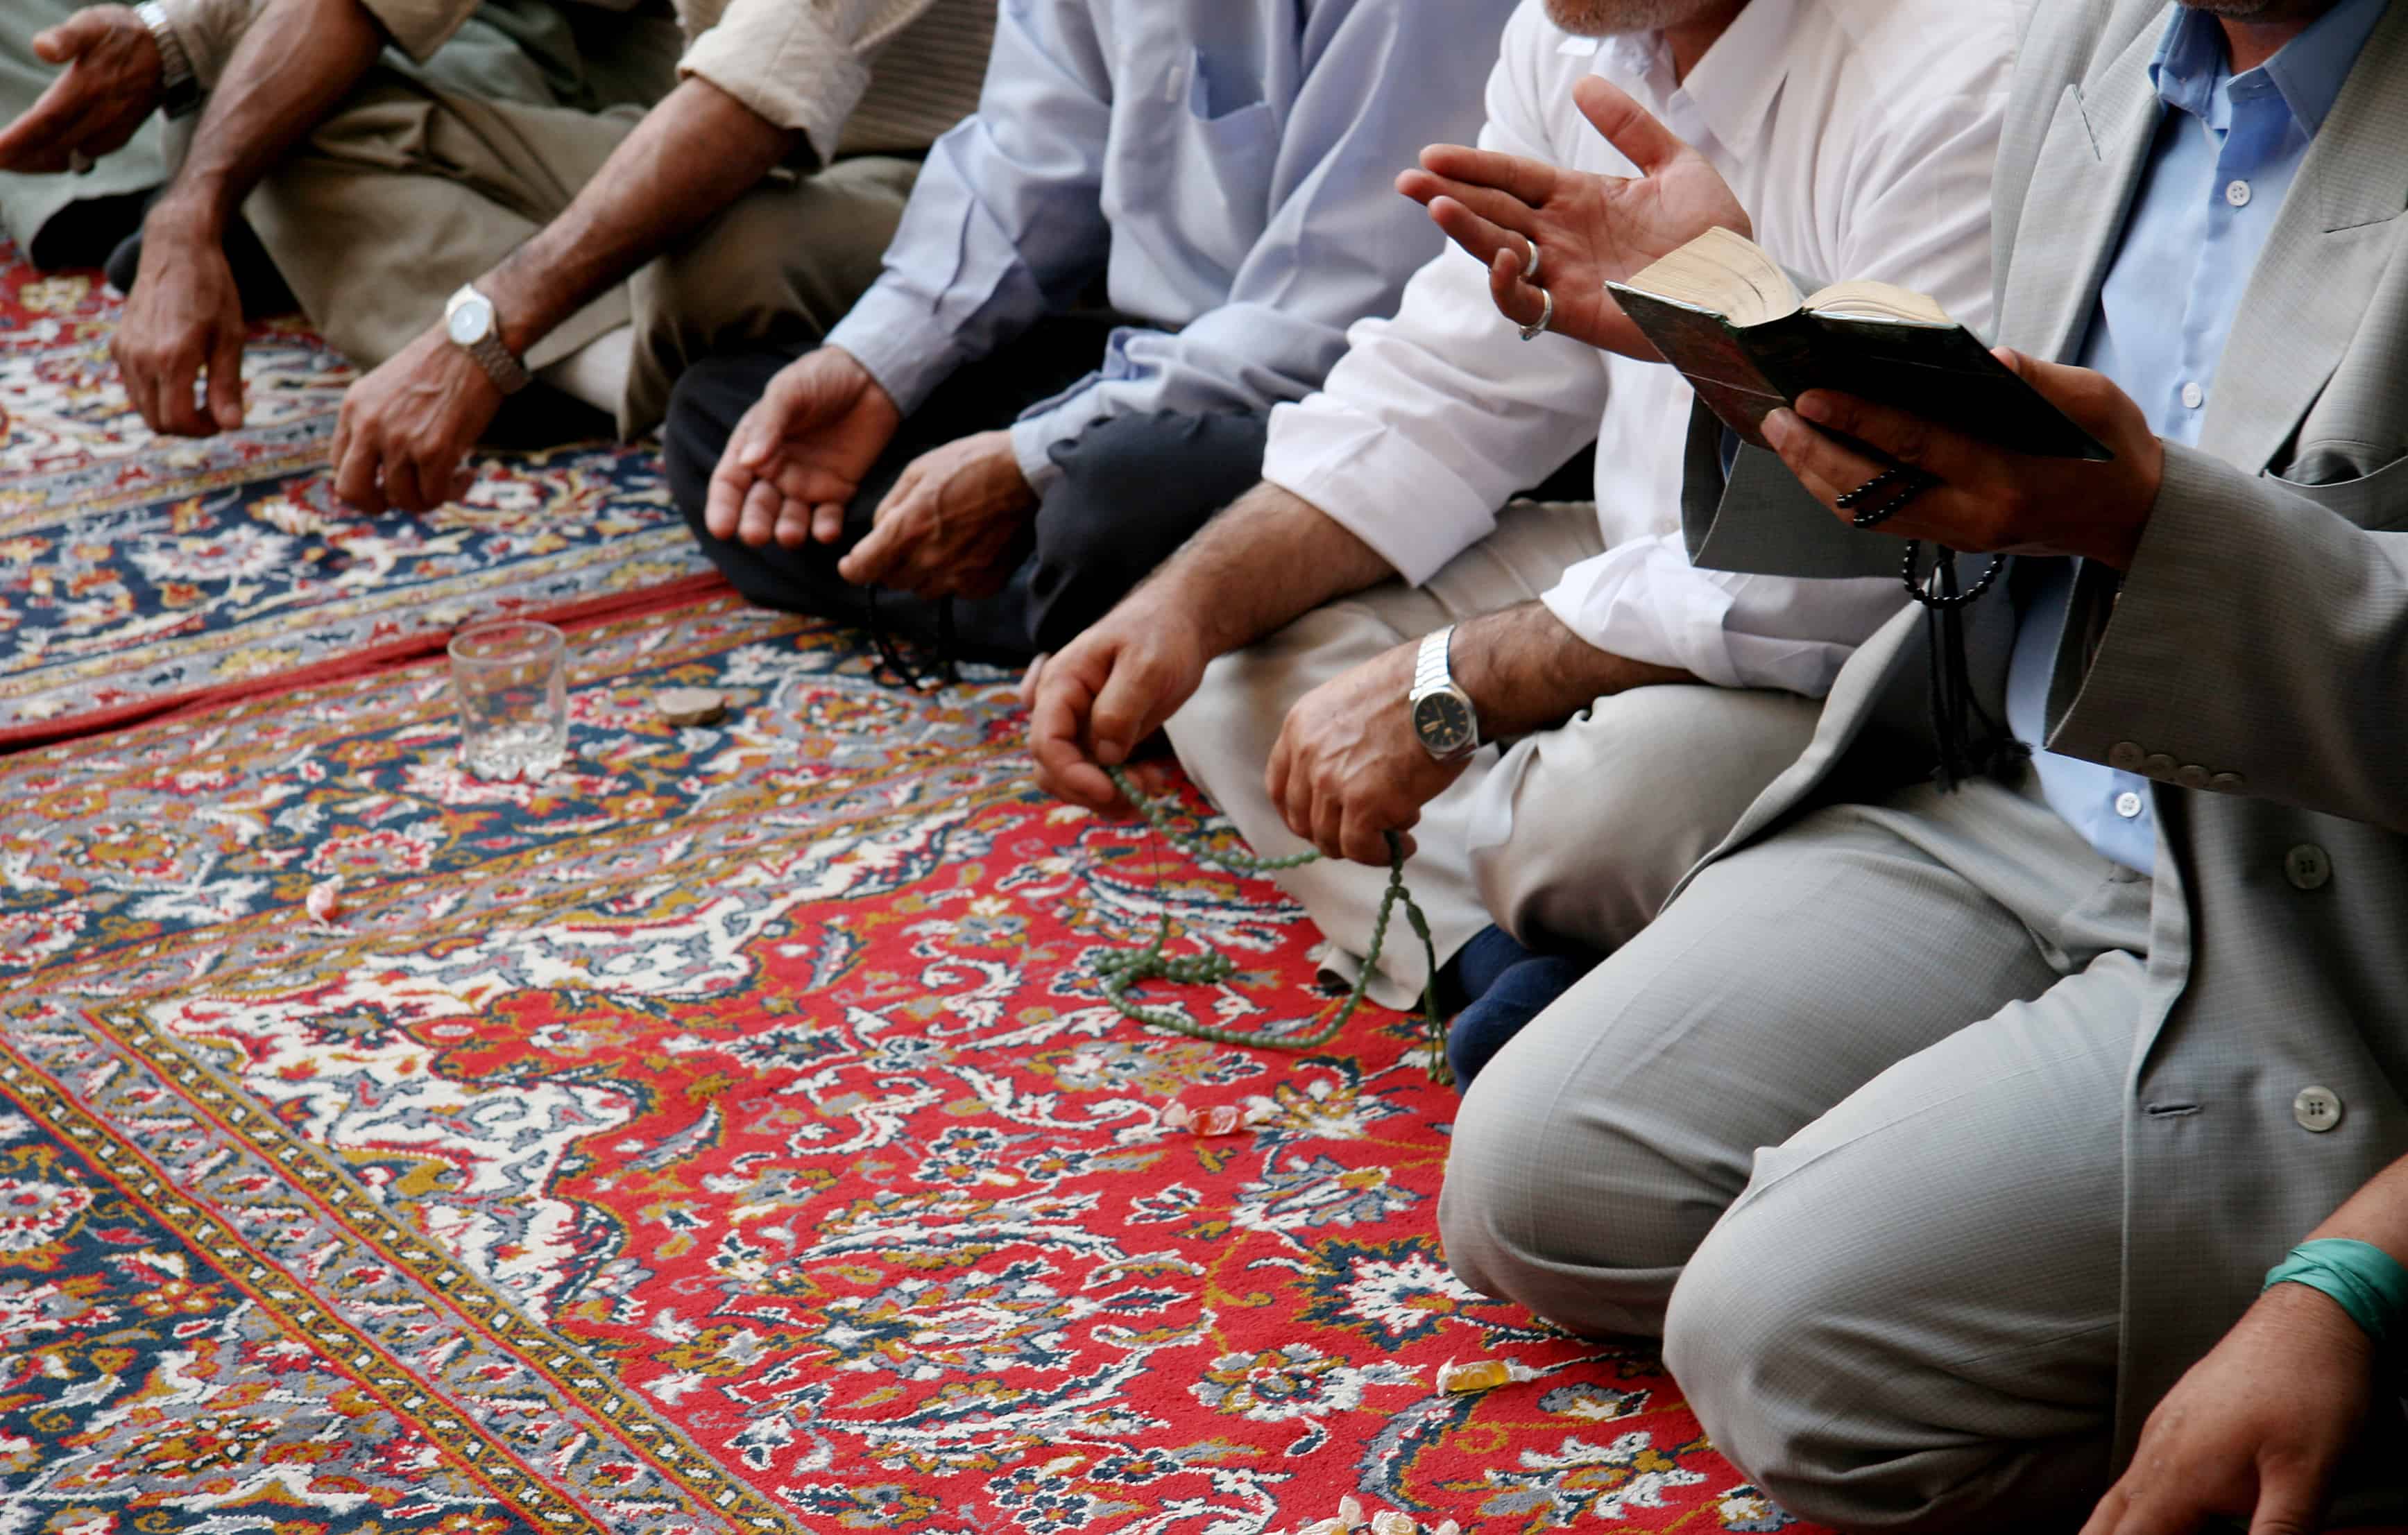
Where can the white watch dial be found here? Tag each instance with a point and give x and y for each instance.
(470, 320)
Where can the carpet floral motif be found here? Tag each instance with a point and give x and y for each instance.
(134, 568)
(727, 1133)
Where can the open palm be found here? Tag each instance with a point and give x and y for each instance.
(1589, 229)
(799, 455)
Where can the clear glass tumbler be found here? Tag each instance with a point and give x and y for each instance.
(512, 683)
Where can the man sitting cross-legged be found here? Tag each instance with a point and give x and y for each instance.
(986, 454)
(1949, 1138)
(1639, 704)
(464, 192)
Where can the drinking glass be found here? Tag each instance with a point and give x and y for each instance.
(512, 683)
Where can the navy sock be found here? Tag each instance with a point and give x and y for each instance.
(1509, 1002)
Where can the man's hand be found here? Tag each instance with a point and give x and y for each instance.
(799, 455)
(183, 319)
(955, 524)
(1348, 768)
(2254, 1430)
(405, 427)
(112, 82)
(1988, 500)
(1109, 690)
(1589, 230)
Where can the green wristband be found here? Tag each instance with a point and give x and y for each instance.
(2361, 1278)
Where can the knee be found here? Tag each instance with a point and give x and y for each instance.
(1555, 1199)
(702, 415)
(1770, 1339)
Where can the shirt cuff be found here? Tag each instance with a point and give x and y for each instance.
(787, 64)
(1033, 440)
(1378, 484)
(1644, 600)
(419, 27)
(899, 338)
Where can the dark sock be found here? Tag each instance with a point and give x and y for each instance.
(1476, 966)
(1509, 1002)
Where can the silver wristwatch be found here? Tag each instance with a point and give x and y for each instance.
(473, 326)
(1445, 721)
(180, 85)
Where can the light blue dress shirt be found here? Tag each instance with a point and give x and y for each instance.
(1227, 166)
(2227, 152)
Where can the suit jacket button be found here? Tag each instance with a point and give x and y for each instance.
(2307, 866)
(2229, 784)
(2192, 775)
(2157, 765)
(2316, 1109)
(2125, 756)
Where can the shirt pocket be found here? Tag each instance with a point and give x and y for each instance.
(1228, 153)
(2376, 502)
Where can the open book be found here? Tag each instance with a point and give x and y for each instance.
(1725, 313)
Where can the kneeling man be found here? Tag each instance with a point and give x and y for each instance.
(1564, 712)
(1950, 1138)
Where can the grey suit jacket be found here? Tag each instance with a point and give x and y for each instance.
(2255, 666)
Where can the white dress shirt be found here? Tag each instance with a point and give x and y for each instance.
(1861, 137)
(1227, 166)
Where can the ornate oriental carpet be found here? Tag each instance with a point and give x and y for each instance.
(725, 1134)
(136, 572)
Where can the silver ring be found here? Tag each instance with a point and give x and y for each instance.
(1546, 317)
(1531, 267)
(79, 162)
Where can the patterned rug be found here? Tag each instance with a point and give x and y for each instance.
(138, 572)
(725, 1135)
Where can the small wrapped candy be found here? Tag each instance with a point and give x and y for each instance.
(1179, 1116)
(1479, 1375)
(1224, 1119)
(325, 902)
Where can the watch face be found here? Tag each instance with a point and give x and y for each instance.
(1444, 723)
(472, 321)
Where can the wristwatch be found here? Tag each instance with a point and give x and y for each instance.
(473, 326)
(179, 87)
(1445, 721)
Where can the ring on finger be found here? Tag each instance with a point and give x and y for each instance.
(1884, 495)
(1537, 327)
(1531, 265)
(80, 164)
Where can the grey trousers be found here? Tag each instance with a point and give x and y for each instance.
(1575, 835)
(1845, 1126)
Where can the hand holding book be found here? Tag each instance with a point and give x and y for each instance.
(1986, 498)
(1593, 229)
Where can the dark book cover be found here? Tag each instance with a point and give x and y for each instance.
(1943, 373)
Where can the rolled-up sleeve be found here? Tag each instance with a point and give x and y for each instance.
(209, 29)
(802, 64)
(1006, 220)
(1339, 242)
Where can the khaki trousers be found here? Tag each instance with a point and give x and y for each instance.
(418, 185)
(1575, 835)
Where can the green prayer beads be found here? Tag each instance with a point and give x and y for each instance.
(1124, 970)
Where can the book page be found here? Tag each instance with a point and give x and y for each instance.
(1878, 301)
(1723, 273)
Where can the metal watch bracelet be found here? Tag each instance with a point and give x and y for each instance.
(179, 82)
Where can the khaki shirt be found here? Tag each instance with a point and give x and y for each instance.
(804, 65)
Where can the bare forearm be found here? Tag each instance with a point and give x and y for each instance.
(298, 60)
(693, 155)
(1268, 559)
(2377, 1214)
(1526, 671)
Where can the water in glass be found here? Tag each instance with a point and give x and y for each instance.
(511, 680)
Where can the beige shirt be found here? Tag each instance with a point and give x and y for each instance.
(852, 75)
